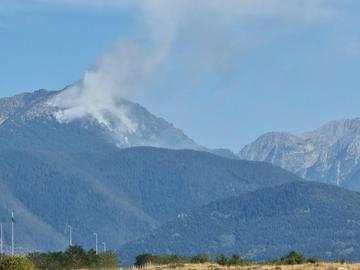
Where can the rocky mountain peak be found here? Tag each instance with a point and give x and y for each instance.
(36, 112)
(328, 154)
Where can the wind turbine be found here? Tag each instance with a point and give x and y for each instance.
(70, 234)
(1, 240)
(96, 242)
(12, 234)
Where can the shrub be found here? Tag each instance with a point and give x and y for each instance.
(16, 263)
(222, 260)
(148, 258)
(144, 259)
(341, 261)
(49, 261)
(168, 259)
(107, 260)
(200, 258)
(74, 258)
(236, 260)
(313, 260)
(294, 257)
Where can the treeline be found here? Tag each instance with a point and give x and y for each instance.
(75, 257)
(294, 257)
(148, 258)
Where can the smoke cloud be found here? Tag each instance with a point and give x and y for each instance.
(182, 39)
(122, 72)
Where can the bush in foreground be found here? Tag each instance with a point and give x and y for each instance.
(16, 263)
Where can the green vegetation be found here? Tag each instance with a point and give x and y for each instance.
(235, 259)
(15, 263)
(292, 258)
(299, 220)
(148, 258)
(200, 258)
(75, 257)
(295, 257)
(342, 261)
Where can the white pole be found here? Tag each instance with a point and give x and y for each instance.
(12, 234)
(70, 235)
(1, 240)
(104, 246)
(96, 242)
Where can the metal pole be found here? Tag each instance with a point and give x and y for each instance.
(96, 243)
(104, 246)
(12, 234)
(70, 235)
(1, 240)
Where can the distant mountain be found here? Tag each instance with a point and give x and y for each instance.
(77, 172)
(330, 154)
(316, 219)
(36, 109)
(37, 116)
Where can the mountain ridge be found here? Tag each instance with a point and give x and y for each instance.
(38, 106)
(263, 224)
(328, 154)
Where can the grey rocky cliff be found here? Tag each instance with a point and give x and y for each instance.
(329, 154)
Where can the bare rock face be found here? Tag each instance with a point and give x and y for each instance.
(329, 154)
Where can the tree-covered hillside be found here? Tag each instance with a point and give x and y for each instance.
(316, 219)
(121, 194)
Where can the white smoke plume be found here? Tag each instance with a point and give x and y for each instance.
(205, 30)
(120, 73)
(125, 71)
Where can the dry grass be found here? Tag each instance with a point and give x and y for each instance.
(316, 266)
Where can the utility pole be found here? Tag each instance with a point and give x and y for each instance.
(12, 234)
(104, 246)
(1, 240)
(96, 242)
(70, 234)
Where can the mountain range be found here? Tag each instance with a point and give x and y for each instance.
(54, 173)
(329, 154)
(152, 188)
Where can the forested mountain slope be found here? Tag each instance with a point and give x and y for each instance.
(316, 219)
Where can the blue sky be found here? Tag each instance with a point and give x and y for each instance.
(233, 70)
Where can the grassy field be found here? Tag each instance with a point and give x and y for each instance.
(316, 266)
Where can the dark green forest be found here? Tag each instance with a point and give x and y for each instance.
(316, 219)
